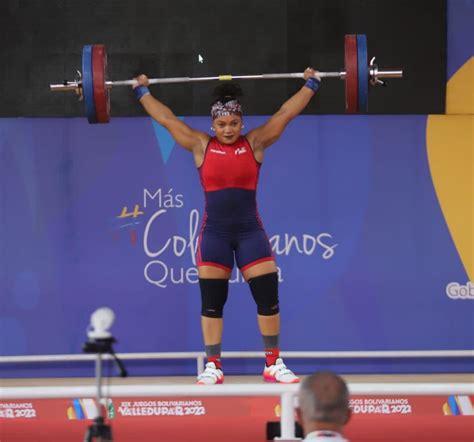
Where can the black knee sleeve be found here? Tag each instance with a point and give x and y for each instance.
(265, 292)
(213, 296)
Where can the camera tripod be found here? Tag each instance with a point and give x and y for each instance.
(99, 430)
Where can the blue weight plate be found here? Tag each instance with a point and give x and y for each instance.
(363, 69)
(88, 84)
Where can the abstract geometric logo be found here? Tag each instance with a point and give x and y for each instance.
(85, 408)
(458, 406)
(164, 139)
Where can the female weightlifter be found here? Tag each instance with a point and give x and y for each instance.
(229, 165)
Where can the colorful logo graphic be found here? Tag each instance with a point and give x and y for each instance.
(85, 408)
(127, 220)
(458, 406)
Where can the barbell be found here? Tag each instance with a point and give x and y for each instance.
(93, 87)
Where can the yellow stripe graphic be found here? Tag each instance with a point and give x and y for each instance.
(450, 148)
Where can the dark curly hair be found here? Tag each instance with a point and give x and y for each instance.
(227, 92)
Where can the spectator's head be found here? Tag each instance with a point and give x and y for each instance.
(323, 403)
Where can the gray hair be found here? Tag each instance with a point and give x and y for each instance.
(324, 397)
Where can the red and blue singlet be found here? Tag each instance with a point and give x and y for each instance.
(231, 224)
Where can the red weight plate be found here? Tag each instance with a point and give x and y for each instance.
(351, 68)
(101, 91)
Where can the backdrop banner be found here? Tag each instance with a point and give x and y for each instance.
(110, 216)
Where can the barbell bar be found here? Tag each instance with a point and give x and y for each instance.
(93, 87)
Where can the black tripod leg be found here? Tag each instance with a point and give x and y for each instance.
(99, 430)
(88, 436)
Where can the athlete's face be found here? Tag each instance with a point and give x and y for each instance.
(227, 128)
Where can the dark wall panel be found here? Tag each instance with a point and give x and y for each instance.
(41, 43)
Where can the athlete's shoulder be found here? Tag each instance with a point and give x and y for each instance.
(244, 139)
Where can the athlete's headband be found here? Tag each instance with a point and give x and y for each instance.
(220, 109)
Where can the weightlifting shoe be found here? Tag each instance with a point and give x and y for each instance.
(279, 373)
(211, 375)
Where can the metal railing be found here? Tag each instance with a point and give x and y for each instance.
(200, 356)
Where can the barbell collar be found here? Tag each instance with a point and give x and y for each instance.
(64, 87)
(390, 74)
